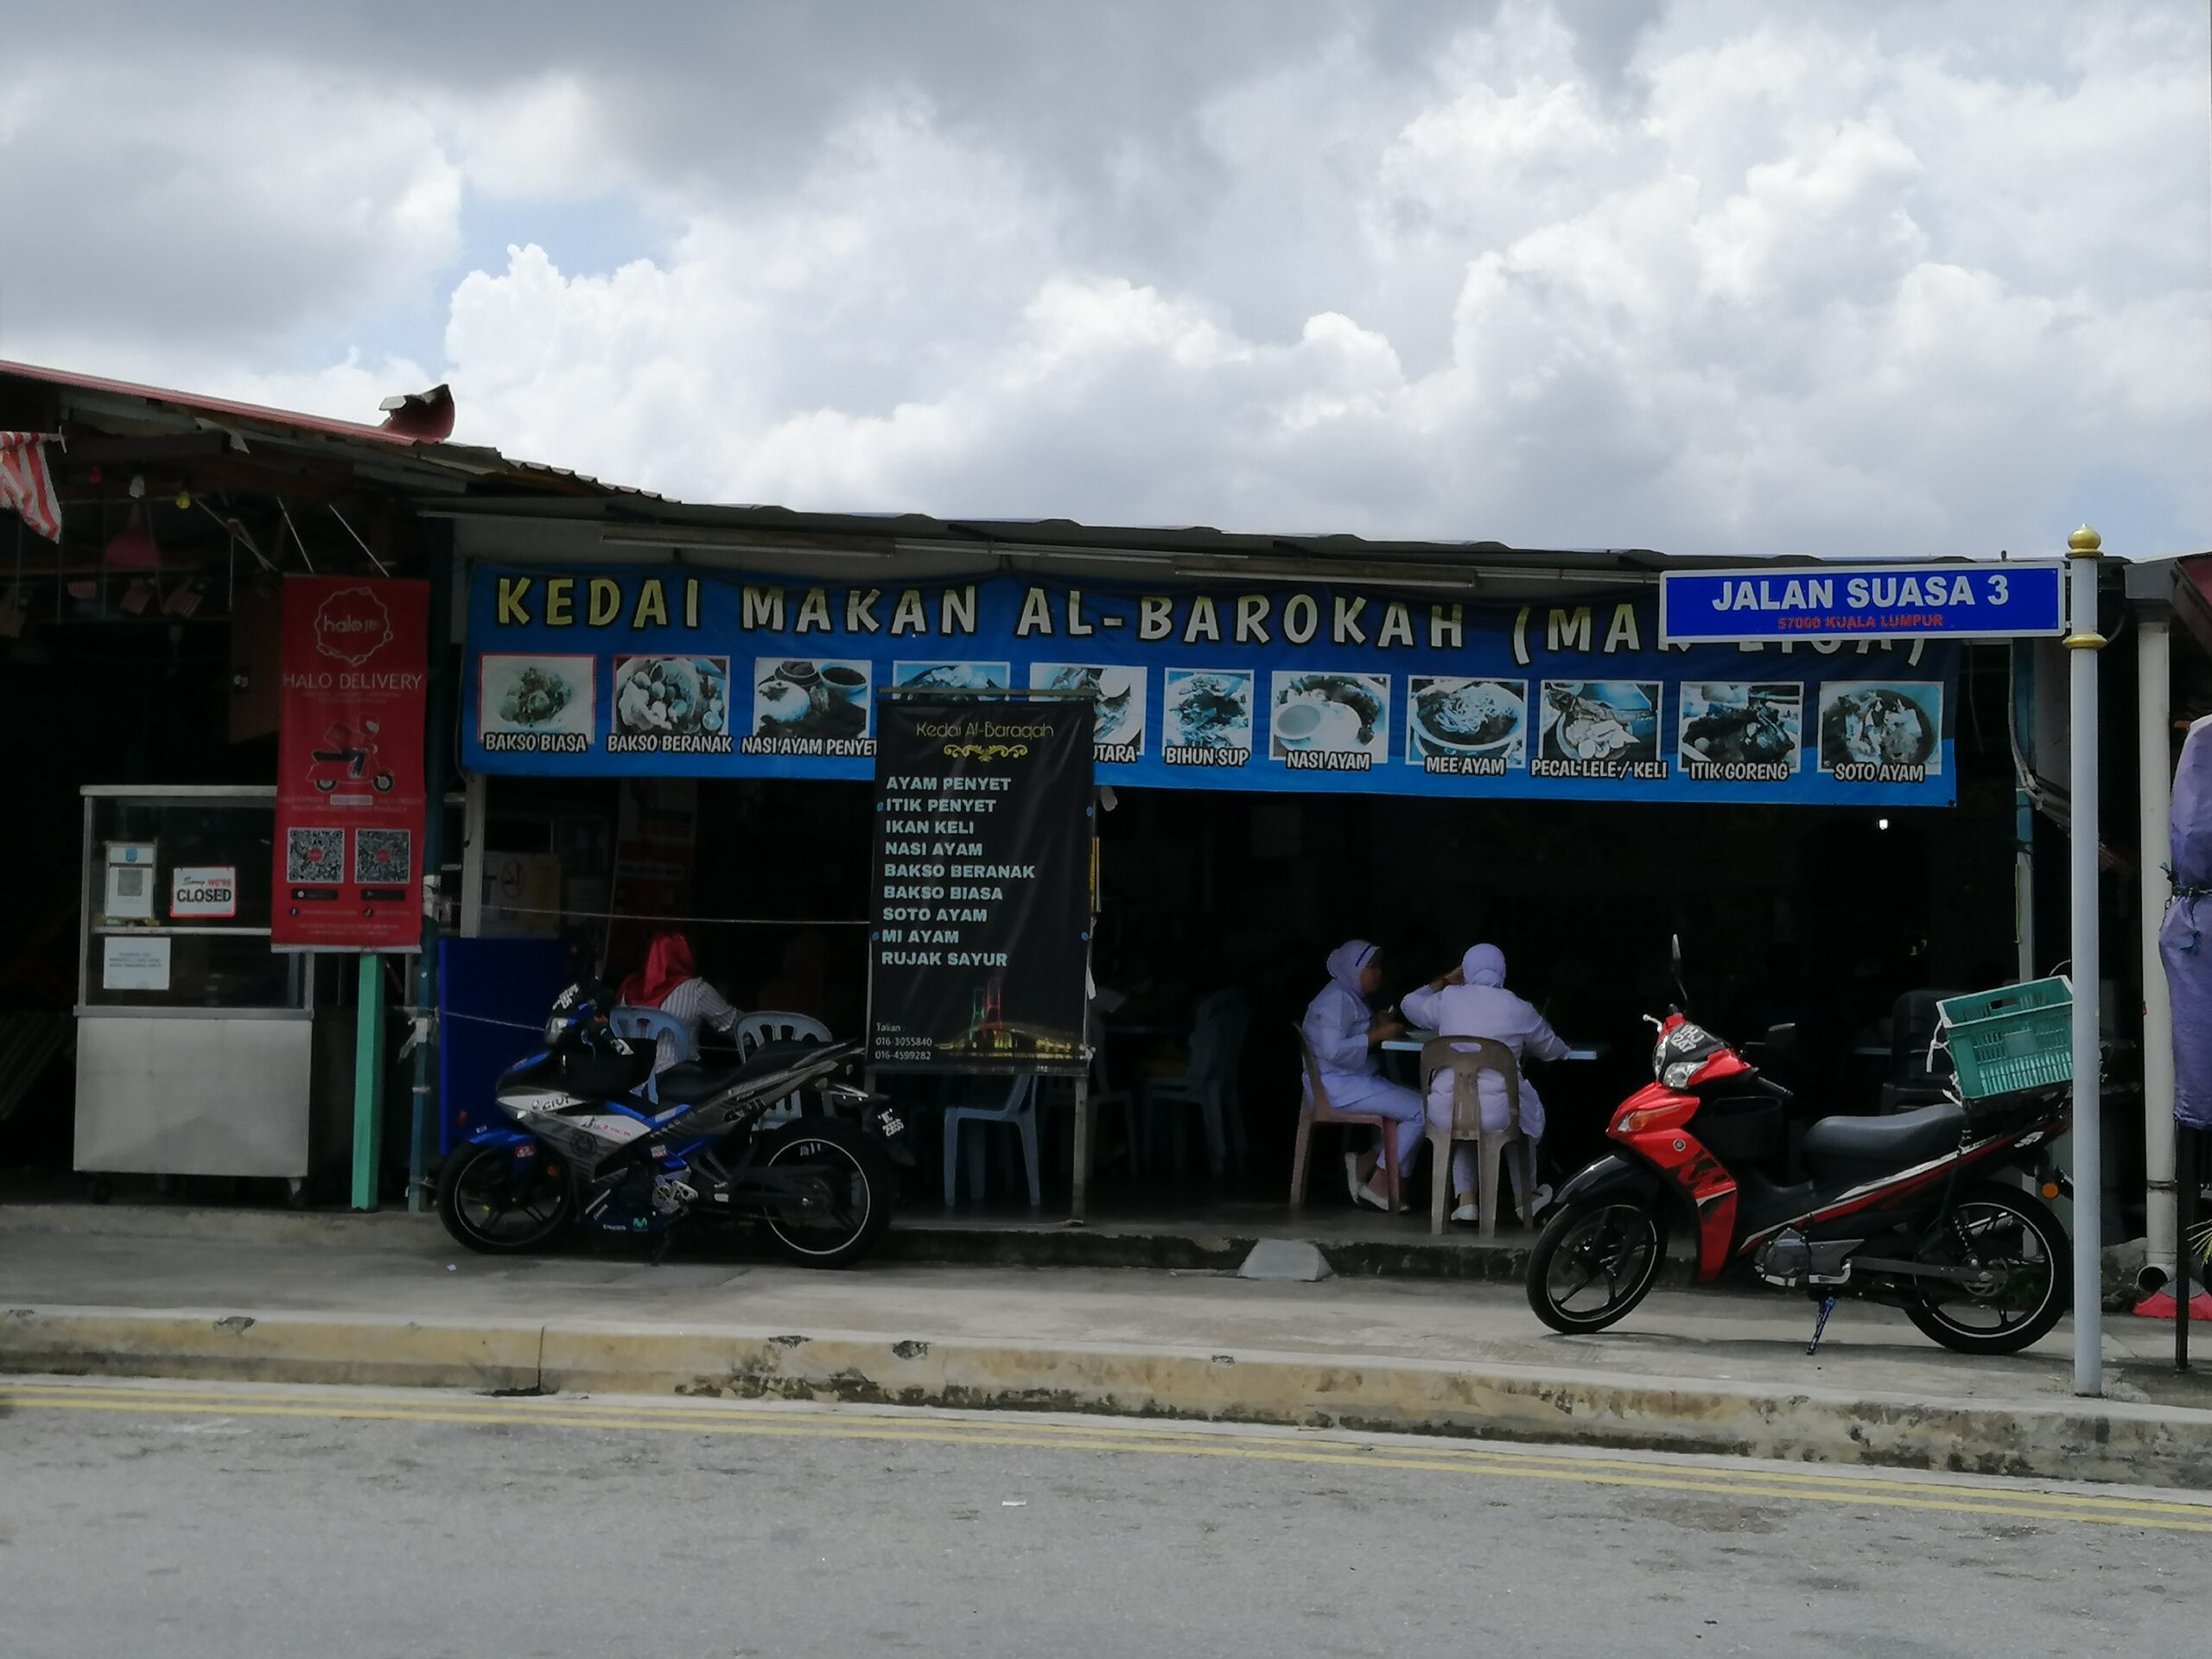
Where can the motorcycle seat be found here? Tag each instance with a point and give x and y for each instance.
(692, 1081)
(1898, 1140)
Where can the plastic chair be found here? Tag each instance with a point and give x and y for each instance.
(1316, 1109)
(755, 1030)
(1920, 1073)
(1020, 1113)
(1101, 1098)
(769, 1026)
(1208, 1078)
(1228, 1077)
(650, 1026)
(1467, 1058)
(1104, 1100)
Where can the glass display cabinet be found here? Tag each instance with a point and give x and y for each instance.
(195, 1041)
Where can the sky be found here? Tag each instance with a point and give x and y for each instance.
(1710, 276)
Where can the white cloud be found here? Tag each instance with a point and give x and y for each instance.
(156, 212)
(547, 138)
(1927, 277)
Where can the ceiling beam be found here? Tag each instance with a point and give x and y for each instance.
(88, 451)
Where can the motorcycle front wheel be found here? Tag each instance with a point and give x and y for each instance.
(1593, 1262)
(500, 1203)
(2023, 1255)
(858, 1177)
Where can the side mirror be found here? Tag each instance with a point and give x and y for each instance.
(1782, 1039)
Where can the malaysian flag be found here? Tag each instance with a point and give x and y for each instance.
(27, 483)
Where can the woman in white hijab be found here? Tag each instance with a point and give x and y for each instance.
(1474, 1002)
(1345, 1036)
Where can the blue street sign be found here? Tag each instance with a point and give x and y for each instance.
(1884, 602)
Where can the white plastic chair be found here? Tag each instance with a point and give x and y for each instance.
(1467, 1058)
(755, 1030)
(650, 1026)
(1316, 1109)
(1020, 1113)
(769, 1026)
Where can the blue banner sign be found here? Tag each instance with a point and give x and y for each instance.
(671, 672)
(1892, 601)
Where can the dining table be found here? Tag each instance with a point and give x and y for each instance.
(1419, 1037)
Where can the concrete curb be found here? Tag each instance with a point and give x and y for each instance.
(2141, 1444)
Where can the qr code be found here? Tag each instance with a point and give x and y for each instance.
(315, 855)
(382, 857)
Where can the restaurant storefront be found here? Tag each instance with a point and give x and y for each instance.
(1423, 745)
(1305, 739)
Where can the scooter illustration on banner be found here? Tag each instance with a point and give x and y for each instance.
(346, 757)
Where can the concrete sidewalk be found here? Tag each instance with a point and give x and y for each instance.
(343, 1302)
(1215, 1235)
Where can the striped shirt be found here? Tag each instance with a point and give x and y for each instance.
(692, 1004)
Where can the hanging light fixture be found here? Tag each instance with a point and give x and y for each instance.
(133, 547)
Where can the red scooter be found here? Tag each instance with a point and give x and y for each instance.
(1902, 1210)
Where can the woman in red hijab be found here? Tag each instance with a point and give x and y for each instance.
(671, 983)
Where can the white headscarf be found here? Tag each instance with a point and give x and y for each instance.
(1348, 960)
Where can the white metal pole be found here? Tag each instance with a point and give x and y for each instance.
(472, 856)
(2155, 799)
(2083, 640)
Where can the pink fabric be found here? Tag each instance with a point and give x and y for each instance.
(667, 964)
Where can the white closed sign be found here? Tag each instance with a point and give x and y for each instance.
(203, 891)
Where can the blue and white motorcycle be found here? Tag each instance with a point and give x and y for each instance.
(591, 1138)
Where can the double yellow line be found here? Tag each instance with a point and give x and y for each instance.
(1901, 1492)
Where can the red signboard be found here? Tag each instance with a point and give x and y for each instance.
(351, 801)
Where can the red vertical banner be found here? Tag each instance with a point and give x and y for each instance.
(351, 800)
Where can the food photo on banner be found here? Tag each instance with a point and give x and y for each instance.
(671, 705)
(351, 800)
(1295, 688)
(1746, 729)
(980, 942)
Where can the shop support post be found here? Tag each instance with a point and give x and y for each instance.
(436, 780)
(368, 1079)
(2083, 641)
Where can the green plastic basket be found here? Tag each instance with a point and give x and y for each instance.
(2016, 1037)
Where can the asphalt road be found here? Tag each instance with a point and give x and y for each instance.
(189, 1519)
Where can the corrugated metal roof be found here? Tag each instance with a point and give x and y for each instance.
(198, 404)
(760, 528)
(389, 456)
(540, 469)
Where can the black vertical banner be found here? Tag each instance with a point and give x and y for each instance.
(982, 876)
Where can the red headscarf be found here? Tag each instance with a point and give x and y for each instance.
(667, 964)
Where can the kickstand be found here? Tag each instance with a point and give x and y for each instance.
(666, 1236)
(1820, 1325)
